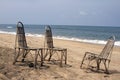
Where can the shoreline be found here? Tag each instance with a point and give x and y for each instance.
(39, 42)
(55, 39)
(101, 42)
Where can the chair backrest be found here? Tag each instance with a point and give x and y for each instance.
(107, 50)
(20, 36)
(48, 37)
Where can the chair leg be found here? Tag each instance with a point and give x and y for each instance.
(42, 58)
(50, 55)
(16, 56)
(24, 54)
(106, 68)
(61, 59)
(65, 56)
(46, 53)
(98, 61)
(83, 60)
(35, 60)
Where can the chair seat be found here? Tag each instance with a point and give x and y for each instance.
(57, 49)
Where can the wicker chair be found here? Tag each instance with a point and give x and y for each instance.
(104, 56)
(21, 47)
(51, 50)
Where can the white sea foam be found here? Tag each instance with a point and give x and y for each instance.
(4, 32)
(82, 40)
(117, 43)
(27, 34)
(9, 27)
(35, 35)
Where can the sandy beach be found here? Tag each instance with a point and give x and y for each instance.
(72, 71)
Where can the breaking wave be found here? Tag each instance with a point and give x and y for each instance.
(117, 43)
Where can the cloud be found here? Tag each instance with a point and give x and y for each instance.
(83, 13)
(90, 13)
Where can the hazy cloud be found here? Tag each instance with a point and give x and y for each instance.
(71, 12)
(83, 13)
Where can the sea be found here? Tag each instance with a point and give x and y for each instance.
(79, 33)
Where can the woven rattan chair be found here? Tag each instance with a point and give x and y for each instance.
(104, 56)
(51, 50)
(21, 47)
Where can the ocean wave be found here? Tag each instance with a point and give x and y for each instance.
(9, 27)
(35, 35)
(27, 34)
(4, 32)
(117, 43)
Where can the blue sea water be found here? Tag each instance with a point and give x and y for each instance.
(90, 34)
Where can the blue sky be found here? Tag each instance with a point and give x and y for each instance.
(61, 12)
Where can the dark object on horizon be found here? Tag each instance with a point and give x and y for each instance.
(50, 49)
(104, 56)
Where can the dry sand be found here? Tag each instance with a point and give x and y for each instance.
(72, 71)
